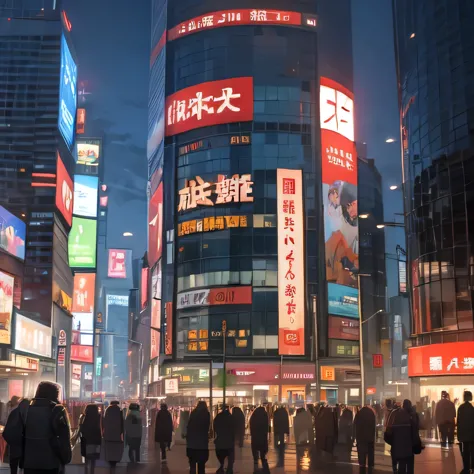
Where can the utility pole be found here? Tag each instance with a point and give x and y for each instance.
(224, 336)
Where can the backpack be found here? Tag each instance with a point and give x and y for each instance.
(61, 441)
(13, 432)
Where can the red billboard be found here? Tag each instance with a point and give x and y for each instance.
(155, 327)
(144, 288)
(84, 293)
(117, 263)
(64, 191)
(209, 103)
(155, 226)
(343, 328)
(238, 17)
(82, 354)
(449, 358)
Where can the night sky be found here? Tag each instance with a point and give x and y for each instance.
(112, 40)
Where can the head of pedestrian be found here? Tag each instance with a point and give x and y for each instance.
(49, 391)
(134, 407)
(202, 405)
(407, 406)
(164, 406)
(15, 401)
(91, 414)
(444, 394)
(467, 396)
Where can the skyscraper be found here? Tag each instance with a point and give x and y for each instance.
(435, 66)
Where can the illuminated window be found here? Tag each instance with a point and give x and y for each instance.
(192, 346)
(264, 220)
(192, 334)
(203, 334)
(241, 343)
(203, 346)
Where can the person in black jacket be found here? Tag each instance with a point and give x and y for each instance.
(281, 427)
(466, 432)
(259, 426)
(46, 420)
(197, 438)
(91, 436)
(13, 435)
(225, 440)
(238, 419)
(164, 430)
(364, 434)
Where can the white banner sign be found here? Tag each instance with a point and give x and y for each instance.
(193, 298)
(291, 280)
(171, 386)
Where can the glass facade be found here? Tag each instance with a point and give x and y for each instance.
(436, 69)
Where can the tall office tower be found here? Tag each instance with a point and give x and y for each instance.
(253, 224)
(435, 55)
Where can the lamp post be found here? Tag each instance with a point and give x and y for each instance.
(224, 335)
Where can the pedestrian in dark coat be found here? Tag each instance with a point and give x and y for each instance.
(445, 415)
(164, 430)
(364, 434)
(238, 418)
(91, 436)
(113, 434)
(281, 428)
(133, 432)
(326, 429)
(13, 435)
(197, 438)
(259, 426)
(224, 440)
(466, 432)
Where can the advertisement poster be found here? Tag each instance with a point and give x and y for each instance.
(88, 151)
(209, 103)
(82, 243)
(155, 323)
(64, 191)
(291, 282)
(117, 263)
(6, 307)
(155, 226)
(32, 337)
(156, 281)
(12, 234)
(84, 293)
(82, 354)
(67, 94)
(339, 175)
(343, 328)
(144, 288)
(155, 344)
(83, 326)
(169, 328)
(86, 192)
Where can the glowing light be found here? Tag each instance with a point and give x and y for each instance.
(390, 140)
(393, 187)
(364, 216)
(380, 226)
(127, 234)
(412, 35)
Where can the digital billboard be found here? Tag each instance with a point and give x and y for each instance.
(83, 326)
(169, 328)
(155, 226)
(291, 281)
(82, 354)
(339, 176)
(82, 243)
(209, 103)
(88, 151)
(6, 307)
(144, 288)
(156, 277)
(32, 337)
(64, 190)
(12, 234)
(84, 293)
(67, 94)
(117, 267)
(86, 193)
(343, 328)
(239, 17)
(155, 327)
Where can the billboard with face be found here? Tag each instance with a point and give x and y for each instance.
(64, 191)
(67, 94)
(339, 175)
(12, 234)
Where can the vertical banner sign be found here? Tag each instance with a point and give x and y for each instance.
(339, 176)
(291, 282)
(169, 328)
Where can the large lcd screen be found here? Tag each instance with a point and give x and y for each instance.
(86, 191)
(83, 243)
(67, 94)
(12, 234)
(64, 193)
(6, 307)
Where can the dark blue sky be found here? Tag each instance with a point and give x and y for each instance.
(112, 40)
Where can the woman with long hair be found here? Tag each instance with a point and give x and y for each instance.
(91, 436)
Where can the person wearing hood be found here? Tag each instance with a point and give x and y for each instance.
(303, 427)
(281, 428)
(238, 421)
(163, 430)
(224, 440)
(113, 434)
(13, 435)
(133, 432)
(46, 420)
(364, 434)
(345, 428)
(326, 429)
(259, 426)
(466, 432)
(445, 415)
(91, 436)
(197, 438)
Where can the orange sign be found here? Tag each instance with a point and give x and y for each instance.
(84, 292)
(328, 374)
(371, 391)
(233, 295)
(81, 121)
(169, 328)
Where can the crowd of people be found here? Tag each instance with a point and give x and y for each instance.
(38, 433)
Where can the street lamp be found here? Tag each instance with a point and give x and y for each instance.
(390, 224)
(393, 187)
(390, 140)
(364, 216)
(127, 234)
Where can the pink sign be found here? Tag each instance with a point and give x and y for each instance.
(117, 263)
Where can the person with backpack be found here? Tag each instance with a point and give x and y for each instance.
(133, 432)
(91, 436)
(13, 435)
(163, 430)
(113, 435)
(47, 432)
